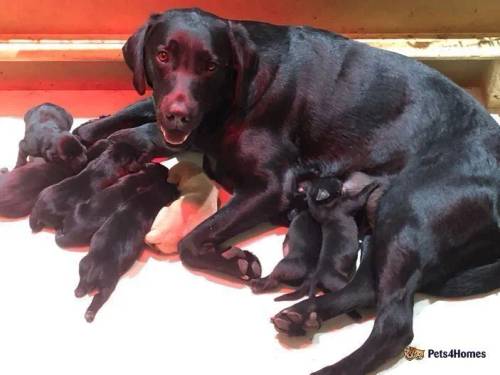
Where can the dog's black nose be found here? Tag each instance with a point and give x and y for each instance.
(178, 116)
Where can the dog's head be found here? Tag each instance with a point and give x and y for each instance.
(196, 64)
(71, 151)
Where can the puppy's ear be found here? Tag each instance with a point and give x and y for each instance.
(322, 194)
(133, 53)
(245, 62)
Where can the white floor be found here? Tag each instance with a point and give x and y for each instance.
(164, 319)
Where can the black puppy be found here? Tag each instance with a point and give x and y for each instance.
(19, 188)
(323, 239)
(56, 201)
(79, 225)
(118, 243)
(147, 139)
(47, 135)
(134, 115)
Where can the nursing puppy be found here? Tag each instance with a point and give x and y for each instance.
(79, 225)
(323, 239)
(119, 242)
(56, 201)
(19, 188)
(147, 139)
(47, 135)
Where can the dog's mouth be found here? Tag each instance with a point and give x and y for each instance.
(175, 137)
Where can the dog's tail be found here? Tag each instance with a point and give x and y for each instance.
(482, 279)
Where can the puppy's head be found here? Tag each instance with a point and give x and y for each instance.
(156, 171)
(49, 111)
(71, 151)
(192, 60)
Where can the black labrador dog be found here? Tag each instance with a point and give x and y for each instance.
(80, 224)
(19, 188)
(56, 201)
(47, 135)
(118, 243)
(258, 97)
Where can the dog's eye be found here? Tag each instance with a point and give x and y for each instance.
(211, 66)
(163, 56)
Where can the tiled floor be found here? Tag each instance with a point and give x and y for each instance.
(164, 319)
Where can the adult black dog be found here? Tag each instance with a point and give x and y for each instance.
(255, 97)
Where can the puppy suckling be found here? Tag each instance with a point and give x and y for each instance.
(19, 188)
(79, 225)
(322, 240)
(334, 207)
(146, 139)
(301, 250)
(118, 243)
(198, 200)
(47, 135)
(56, 201)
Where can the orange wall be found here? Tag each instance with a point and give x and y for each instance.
(354, 16)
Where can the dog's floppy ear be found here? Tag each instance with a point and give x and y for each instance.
(245, 62)
(133, 53)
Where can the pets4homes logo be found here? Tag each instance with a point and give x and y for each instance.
(412, 353)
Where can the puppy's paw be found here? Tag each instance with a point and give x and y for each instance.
(294, 322)
(248, 264)
(263, 285)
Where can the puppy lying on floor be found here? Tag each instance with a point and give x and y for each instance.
(147, 139)
(79, 225)
(119, 242)
(56, 201)
(323, 239)
(198, 200)
(47, 135)
(19, 188)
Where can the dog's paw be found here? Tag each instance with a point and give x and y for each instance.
(295, 323)
(263, 285)
(248, 264)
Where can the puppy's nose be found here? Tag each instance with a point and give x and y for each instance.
(178, 112)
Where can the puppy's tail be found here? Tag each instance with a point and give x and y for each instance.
(482, 279)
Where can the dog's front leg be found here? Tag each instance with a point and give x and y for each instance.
(201, 248)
